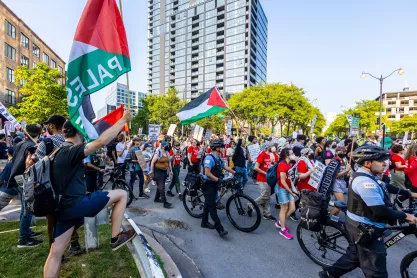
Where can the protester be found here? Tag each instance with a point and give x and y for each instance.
(193, 159)
(299, 145)
(159, 169)
(262, 164)
(175, 153)
(21, 156)
(340, 185)
(122, 151)
(239, 160)
(229, 153)
(92, 169)
(305, 167)
(54, 127)
(6, 194)
(135, 169)
(3, 151)
(284, 193)
(319, 151)
(398, 166)
(67, 177)
(329, 151)
(252, 141)
(147, 155)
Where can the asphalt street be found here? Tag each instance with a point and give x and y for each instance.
(262, 253)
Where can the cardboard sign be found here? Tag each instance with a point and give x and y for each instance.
(405, 137)
(8, 116)
(141, 160)
(208, 134)
(229, 125)
(153, 132)
(316, 176)
(140, 131)
(171, 129)
(254, 151)
(198, 132)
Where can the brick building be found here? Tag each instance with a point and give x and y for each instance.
(19, 45)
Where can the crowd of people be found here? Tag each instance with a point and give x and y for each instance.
(79, 168)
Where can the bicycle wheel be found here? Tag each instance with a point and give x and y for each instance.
(194, 205)
(326, 246)
(121, 184)
(408, 265)
(243, 212)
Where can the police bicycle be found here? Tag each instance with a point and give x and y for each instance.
(241, 210)
(326, 246)
(115, 176)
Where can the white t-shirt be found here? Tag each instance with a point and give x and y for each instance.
(119, 148)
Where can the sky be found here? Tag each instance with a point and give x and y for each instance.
(322, 46)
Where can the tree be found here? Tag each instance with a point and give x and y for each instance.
(42, 96)
(338, 126)
(407, 123)
(212, 122)
(320, 121)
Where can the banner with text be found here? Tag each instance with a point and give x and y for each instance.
(153, 132)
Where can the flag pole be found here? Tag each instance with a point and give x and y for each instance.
(127, 74)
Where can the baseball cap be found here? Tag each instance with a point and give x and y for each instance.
(56, 120)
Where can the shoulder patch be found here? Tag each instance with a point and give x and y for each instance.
(369, 185)
(207, 161)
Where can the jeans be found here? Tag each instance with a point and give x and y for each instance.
(176, 178)
(160, 178)
(372, 259)
(6, 194)
(210, 191)
(133, 174)
(25, 219)
(245, 177)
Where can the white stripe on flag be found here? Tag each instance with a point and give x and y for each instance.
(203, 107)
(88, 126)
(79, 49)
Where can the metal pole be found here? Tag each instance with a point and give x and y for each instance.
(383, 136)
(127, 74)
(380, 102)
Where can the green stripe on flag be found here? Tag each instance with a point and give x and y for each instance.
(213, 110)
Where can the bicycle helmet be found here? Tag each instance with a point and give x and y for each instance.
(370, 153)
(216, 143)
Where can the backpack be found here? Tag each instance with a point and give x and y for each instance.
(194, 183)
(313, 208)
(271, 175)
(49, 146)
(38, 191)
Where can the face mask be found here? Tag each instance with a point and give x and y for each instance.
(273, 149)
(311, 156)
(150, 150)
(342, 155)
(334, 146)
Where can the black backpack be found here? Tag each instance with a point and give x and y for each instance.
(194, 182)
(49, 146)
(313, 208)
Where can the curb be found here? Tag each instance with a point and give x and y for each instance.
(169, 265)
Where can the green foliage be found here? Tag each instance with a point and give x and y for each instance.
(320, 121)
(42, 95)
(407, 123)
(214, 123)
(338, 126)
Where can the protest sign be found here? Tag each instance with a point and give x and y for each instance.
(316, 176)
(141, 160)
(208, 134)
(5, 113)
(171, 129)
(254, 151)
(140, 131)
(229, 125)
(153, 132)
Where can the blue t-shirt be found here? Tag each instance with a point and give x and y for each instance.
(371, 193)
(210, 163)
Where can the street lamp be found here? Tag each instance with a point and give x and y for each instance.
(400, 71)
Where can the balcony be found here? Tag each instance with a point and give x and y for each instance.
(219, 77)
(220, 61)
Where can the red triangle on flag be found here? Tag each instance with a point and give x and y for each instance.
(215, 99)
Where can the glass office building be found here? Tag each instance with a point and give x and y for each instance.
(194, 45)
(116, 95)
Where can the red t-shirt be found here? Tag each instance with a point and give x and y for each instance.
(412, 170)
(194, 153)
(176, 157)
(264, 160)
(398, 158)
(208, 150)
(276, 157)
(283, 167)
(303, 184)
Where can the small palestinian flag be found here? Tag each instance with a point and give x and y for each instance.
(205, 105)
(99, 55)
(101, 125)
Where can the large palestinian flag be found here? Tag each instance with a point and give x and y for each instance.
(99, 55)
(205, 105)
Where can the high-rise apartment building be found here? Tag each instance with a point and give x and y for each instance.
(117, 95)
(399, 104)
(19, 45)
(194, 45)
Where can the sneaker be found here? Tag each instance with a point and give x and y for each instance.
(220, 206)
(324, 274)
(76, 250)
(147, 190)
(29, 243)
(167, 205)
(169, 193)
(124, 237)
(35, 234)
(293, 217)
(285, 234)
(143, 196)
(270, 217)
(158, 201)
(278, 225)
(222, 232)
(207, 225)
(180, 196)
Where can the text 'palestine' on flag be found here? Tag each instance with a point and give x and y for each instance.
(99, 55)
(205, 105)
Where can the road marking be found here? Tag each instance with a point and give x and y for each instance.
(9, 211)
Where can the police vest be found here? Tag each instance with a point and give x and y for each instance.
(357, 206)
(217, 170)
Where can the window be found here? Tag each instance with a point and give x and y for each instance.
(24, 61)
(33, 65)
(10, 75)
(60, 69)
(10, 97)
(24, 41)
(53, 64)
(36, 50)
(10, 29)
(9, 52)
(45, 58)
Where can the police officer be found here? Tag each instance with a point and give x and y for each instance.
(369, 209)
(213, 168)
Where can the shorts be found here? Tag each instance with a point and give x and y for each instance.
(89, 206)
(339, 186)
(284, 197)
